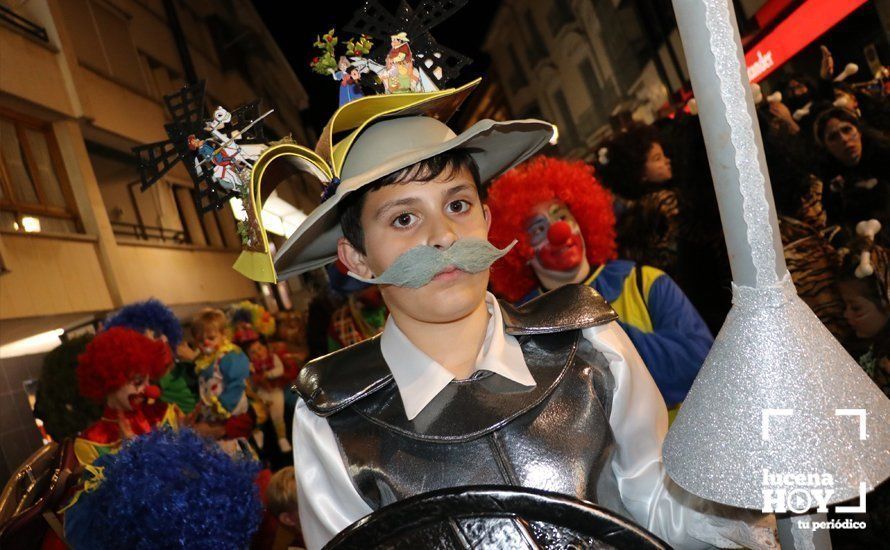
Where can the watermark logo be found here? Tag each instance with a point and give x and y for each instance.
(798, 492)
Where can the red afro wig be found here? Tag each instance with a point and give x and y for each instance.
(512, 197)
(117, 355)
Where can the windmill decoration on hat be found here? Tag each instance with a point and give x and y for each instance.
(218, 153)
(407, 57)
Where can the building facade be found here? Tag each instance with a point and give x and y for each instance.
(81, 83)
(582, 64)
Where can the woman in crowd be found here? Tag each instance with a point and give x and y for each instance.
(856, 167)
(807, 239)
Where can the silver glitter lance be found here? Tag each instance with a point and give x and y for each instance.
(777, 398)
(418, 266)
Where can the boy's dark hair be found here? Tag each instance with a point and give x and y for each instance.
(446, 164)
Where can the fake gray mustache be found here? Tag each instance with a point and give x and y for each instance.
(417, 267)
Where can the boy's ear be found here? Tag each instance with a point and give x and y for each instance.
(486, 212)
(290, 519)
(354, 260)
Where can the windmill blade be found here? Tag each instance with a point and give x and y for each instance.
(441, 64)
(430, 13)
(243, 117)
(208, 195)
(154, 160)
(375, 21)
(187, 107)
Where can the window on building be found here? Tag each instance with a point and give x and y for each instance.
(568, 130)
(103, 42)
(559, 15)
(517, 79)
(217, 229)
(537, 49)
(34, 192)
(147, 216)
(601, 101)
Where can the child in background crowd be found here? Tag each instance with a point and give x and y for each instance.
(636, 169)
(865, 288)
(281, 503)
(222, 370)
(269, 374)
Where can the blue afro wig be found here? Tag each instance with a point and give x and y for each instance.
(242, 315)
(168, 489)
(150, 314)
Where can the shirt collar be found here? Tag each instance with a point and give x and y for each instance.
(420, 379)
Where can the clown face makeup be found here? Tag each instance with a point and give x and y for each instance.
(211, 340)
(556, 239)
(129, 396)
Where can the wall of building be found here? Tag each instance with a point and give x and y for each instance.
(92, 90)
(19, 435)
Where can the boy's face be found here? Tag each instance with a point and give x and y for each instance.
(398, 217)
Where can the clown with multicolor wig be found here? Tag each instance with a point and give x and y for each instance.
(565, 224)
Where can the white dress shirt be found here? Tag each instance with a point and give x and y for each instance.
(329, 502)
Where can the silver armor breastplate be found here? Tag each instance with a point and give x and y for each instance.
(486, 430)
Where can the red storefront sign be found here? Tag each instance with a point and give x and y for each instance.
(807, 23)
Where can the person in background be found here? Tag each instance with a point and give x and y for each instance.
(154, 319)
(634, 166)
(222, 370)
(856, 167)
(59, 404)
(281, 503)
(563, 219)
(270, 374)
(864, 285)
(115, 370)
(809, 246)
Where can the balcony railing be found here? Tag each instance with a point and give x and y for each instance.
(19, 22)
(148, 232)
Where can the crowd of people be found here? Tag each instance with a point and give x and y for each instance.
(827, 146)
(144, 394)
(640, 226)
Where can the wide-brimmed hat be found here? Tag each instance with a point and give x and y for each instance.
(386, 133)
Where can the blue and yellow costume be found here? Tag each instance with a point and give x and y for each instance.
(662, 323)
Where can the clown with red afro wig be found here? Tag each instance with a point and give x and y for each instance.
(115, 369)
(512, 197)
(563, 219)
(116, 356)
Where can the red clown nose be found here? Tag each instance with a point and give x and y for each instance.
(559, 233)
(152, 392)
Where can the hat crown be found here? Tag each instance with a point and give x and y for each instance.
(387, 140)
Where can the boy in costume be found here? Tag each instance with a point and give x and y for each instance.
(461, 389)
(115, 370)
(155, 320)
(563, 219)
(222, 371)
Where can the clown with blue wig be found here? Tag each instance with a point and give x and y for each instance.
(178, 385)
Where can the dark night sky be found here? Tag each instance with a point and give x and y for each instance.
(295, 33)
